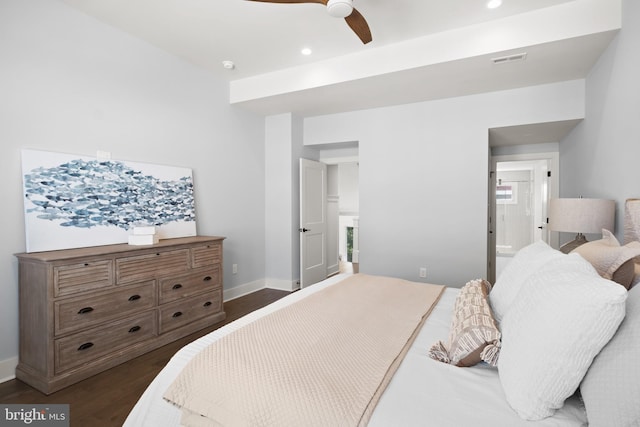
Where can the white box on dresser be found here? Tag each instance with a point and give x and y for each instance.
(83, 311)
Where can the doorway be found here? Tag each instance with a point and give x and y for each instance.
(520, 189)
(346, 188)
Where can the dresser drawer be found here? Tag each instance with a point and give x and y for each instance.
(72, 314)
(202, 256)
(86, 310)
(178, 287)
(83, 276)
(78, 349)
(185, 311)
(142, 267)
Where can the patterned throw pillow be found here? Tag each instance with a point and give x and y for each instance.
(474, 335)
(611, 261)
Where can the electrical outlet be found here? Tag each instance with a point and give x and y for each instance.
(423, 272)
(234, 268)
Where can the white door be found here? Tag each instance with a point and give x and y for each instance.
(313, 223)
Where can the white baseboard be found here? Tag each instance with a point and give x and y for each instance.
(283, 285)
(8, 369)
(242, 290)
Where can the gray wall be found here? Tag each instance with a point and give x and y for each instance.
(601, 157)
(424, 175)
(284, 148)
(70, 84)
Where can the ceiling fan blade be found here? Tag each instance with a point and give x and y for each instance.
(293, 1)
(359, 26)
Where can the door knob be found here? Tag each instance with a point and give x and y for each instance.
(303, 230)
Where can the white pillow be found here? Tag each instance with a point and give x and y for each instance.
(561, 318)
(611, 387)
(525, 262)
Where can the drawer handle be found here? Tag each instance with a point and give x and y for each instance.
(134, 329)
(134, 297)
(207, 278)
(86, 264)
(85, 346)
(85, 310)
(207, 304)
(177, 286)
(177, 314)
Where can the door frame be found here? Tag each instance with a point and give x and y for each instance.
(554, 188)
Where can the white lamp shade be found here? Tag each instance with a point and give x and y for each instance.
(581, 215)
(632, 221)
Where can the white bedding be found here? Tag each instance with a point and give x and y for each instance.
(423, 391)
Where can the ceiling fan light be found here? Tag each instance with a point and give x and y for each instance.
(340, 8)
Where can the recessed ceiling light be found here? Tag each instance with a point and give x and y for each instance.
(494, 4)
(229, 65)
(306, 51)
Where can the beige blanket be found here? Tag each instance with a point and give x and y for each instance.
(323, 361)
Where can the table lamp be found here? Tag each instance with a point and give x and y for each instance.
(580, 216)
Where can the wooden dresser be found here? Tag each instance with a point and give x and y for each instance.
(85, 310)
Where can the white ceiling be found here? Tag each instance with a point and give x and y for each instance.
(400, 65)
(531, 133)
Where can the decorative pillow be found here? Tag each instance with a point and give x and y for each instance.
(611, 261)
(632, 222)
(611, 388)
(525, 262)
(474, 335)
(636, 279)
(562, 317)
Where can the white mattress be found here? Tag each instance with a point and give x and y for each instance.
(423, 392)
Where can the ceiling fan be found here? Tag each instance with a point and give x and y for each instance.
(339, 9)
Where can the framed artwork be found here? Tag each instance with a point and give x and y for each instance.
(72, 201)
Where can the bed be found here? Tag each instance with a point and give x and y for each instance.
(576, 368)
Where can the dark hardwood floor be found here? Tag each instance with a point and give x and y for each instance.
(106, 399)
